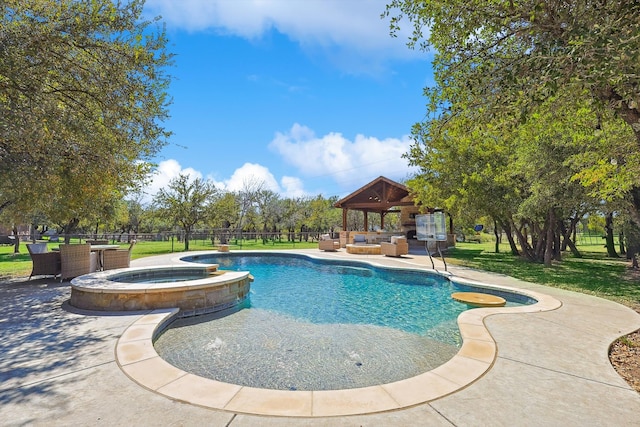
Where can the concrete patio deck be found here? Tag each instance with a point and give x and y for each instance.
(58, 366)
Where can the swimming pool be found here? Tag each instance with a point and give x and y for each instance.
(321, 325)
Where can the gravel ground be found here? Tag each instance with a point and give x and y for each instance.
(625, 356)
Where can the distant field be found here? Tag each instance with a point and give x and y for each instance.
(16, 265)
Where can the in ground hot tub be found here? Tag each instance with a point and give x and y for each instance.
(193, 289)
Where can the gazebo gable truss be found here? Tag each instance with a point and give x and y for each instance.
(381, 196)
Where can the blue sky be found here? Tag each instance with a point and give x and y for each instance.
(306, 96)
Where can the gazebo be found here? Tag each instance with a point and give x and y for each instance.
(381, 196)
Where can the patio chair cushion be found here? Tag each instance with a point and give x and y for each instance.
(359, 239)
(37, 248)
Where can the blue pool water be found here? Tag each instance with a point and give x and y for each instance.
(318, 325)
(348, 294)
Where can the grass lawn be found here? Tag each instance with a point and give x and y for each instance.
(16, 265)
(593, 274)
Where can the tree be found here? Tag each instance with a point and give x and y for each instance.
(268, 209)
(185, 202)
(131, 216)
(324, 217)
(82, 97)
(516, 54)
(291, 217)
(522, 176)
(224, 213)
(500, 61)
(503, 59)
(247, 198)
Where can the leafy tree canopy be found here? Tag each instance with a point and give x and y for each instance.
(186, 202)
(529, 99)
(514, 54)
(82, 96)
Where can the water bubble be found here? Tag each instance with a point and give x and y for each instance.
(215, 345)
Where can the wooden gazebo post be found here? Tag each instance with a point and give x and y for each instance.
(344, 219)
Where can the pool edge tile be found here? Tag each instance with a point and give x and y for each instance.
(200, 391)
(129, 352)
(483, 351)
(271, 402)
(470, 331)
(420, 389)
(137, 332)
(462, 370)
(152, 373)
(352, 401)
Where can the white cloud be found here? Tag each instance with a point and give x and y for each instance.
(346, 31)
(348, 163)
(254, 174)
(345, 161)
(293, 187)
(247, 174)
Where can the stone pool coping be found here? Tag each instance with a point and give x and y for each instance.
(210, 291)
(138, 359)
(104, 281)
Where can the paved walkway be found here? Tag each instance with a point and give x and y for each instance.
(58, 367)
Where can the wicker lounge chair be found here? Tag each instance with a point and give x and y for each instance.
(326, 243)
(45, 263)
(77, 260)
(119, 258)
(397, 247)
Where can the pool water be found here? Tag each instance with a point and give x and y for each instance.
(161, 275)
(315, 325)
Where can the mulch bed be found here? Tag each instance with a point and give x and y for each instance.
(625, 356)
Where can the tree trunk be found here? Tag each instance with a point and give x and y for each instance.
(527, 250)
(187, 238)
(550, 224)
(632, 237)
(634, 213)
(496, 232)
(623, 250)
(557, 253)
(69, 229)
(508, 230)
(567, 241)
(569, 234)
(538, 239)
(562, 229)
(16, 244)
(609, 243)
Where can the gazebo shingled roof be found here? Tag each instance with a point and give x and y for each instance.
(380, 196)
